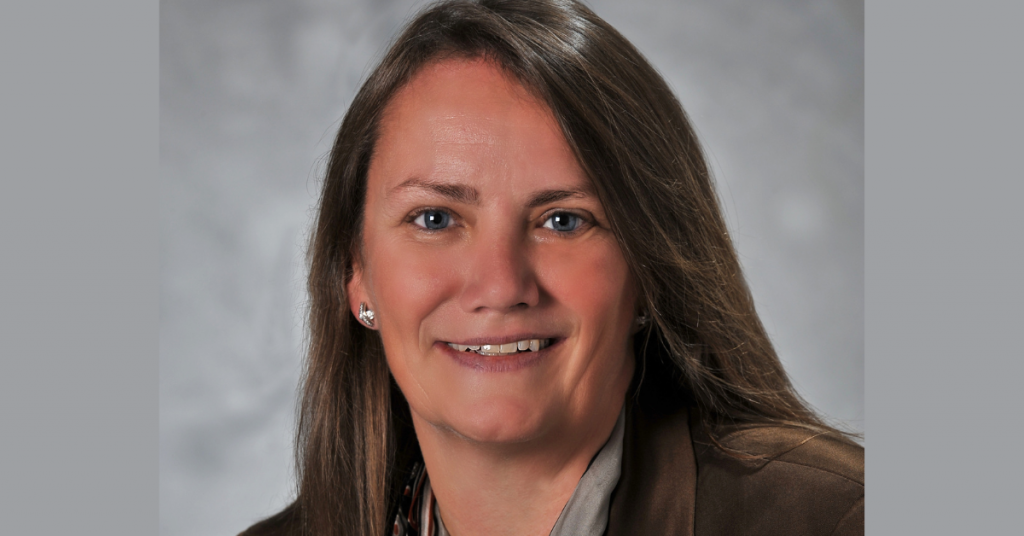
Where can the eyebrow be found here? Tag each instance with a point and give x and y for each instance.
(455, 192)
(551, 196)
(469, 195)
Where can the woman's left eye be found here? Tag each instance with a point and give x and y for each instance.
(433, 220)
(564, 222)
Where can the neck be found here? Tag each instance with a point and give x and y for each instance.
(521, 489)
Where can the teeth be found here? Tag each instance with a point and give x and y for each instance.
(533, 345)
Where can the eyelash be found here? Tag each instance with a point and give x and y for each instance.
(423, 211)
(585, 220)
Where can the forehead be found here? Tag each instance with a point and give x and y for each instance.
(466, 119)
(465, 88)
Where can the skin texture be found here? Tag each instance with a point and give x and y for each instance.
(505, 440)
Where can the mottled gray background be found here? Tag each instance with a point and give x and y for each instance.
(251, 94)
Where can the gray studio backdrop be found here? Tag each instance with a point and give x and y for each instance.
(251, 94)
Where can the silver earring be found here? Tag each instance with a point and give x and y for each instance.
(642, 319)
(366, 315)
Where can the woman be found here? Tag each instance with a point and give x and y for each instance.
(526, 313)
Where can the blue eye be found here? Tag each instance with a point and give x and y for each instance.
(433, 220)
(564, 222)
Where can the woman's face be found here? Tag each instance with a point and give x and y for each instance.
(481, 230)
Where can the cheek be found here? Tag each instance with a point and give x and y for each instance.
(592, 279)
(406, 292)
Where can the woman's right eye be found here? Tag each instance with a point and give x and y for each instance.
(433, 220)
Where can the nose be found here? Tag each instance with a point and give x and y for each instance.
(499, 275)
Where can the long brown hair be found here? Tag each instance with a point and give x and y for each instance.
(705, 345)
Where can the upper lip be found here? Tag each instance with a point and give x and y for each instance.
(505, 339)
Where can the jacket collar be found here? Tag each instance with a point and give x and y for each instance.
(658, 487)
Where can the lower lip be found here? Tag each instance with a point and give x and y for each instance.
(496, 363)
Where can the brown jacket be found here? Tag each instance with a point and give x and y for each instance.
(777, 481)
(676, 481)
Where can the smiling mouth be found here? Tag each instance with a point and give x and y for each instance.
(526, 345)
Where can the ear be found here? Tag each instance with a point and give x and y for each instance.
(356, 290)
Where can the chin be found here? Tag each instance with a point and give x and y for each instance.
(501, 421)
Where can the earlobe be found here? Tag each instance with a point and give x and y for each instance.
(366, 315)
(640, 322)
(358, 299)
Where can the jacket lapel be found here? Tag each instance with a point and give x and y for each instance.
(657, 490)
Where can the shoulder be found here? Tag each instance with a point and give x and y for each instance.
(284, 523)
(801, 450)
(774, 479)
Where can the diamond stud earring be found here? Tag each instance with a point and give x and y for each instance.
(366, 315)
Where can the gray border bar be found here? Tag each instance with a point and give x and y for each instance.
(944, 266)
(79, 263)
